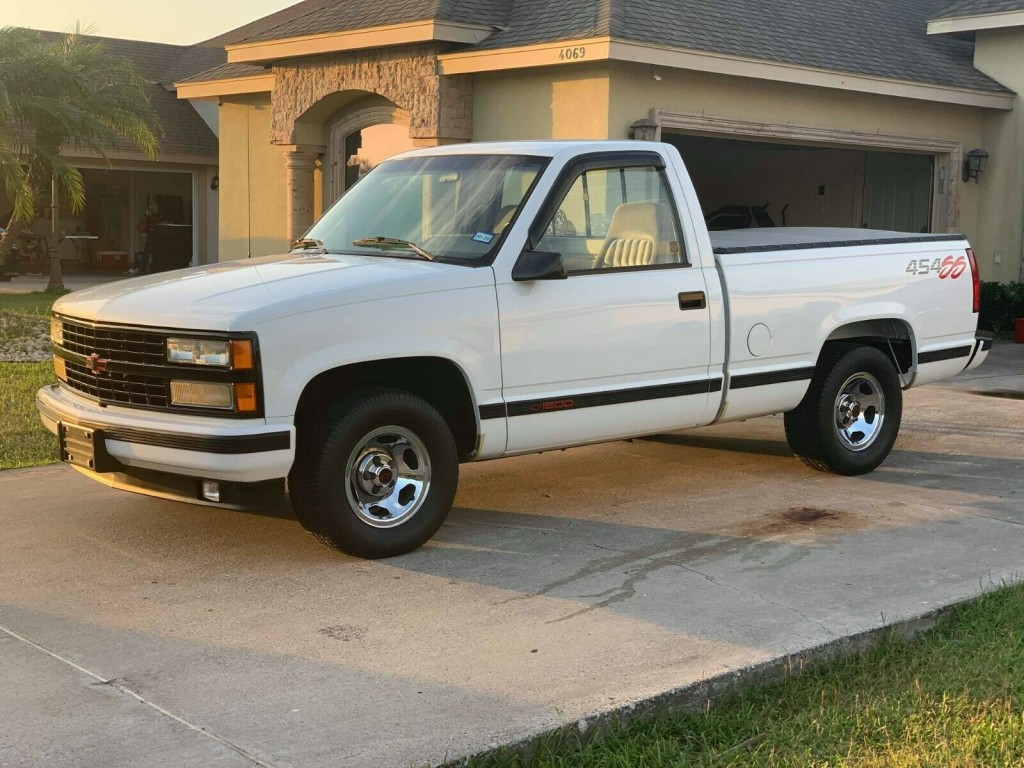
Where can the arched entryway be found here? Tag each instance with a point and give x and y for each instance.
(359, 139)
(313, 95)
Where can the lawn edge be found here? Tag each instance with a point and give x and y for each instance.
(698, 695)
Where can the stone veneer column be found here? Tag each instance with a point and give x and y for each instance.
(299, 163)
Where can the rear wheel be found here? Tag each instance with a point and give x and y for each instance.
(848, 421)
(377, 477)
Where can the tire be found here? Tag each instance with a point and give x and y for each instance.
(377, 476)
(848, 421)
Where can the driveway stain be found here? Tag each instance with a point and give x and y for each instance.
(343, 632)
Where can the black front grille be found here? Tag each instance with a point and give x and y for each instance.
(122, 388)
(122, 345)
(131, 369)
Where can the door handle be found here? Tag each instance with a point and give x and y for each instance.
(692, 300)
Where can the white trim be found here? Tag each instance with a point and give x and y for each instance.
(195, 220)
(110, 159)
(600, 49)
(724, 64)
(976, 22)
(797, 134)
(540, 55)
(211, 90)
(358, 39)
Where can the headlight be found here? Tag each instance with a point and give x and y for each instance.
(221, 354)
(57, 331)
(199, 352)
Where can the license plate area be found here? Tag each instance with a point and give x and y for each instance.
(84, 447)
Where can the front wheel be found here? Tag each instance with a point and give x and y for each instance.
(848, 421)
(377, 476)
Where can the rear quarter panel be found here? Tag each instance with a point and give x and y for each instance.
(806, 296)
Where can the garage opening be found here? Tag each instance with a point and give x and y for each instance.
(757, 183)
(133, 221)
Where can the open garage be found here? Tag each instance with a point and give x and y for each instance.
(805, 185)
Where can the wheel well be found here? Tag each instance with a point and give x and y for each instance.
(893, 338)
(436, 380)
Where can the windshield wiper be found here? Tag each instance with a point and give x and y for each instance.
(308, 244)
(393, 244)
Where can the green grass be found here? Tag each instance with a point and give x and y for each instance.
(953, 697)
(21, 314)
(24, 442)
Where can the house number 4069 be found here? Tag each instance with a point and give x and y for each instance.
(572, 54)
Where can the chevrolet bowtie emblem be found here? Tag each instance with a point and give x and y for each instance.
(96, 364)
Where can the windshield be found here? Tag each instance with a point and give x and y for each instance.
(453, 207)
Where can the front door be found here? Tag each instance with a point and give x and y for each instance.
(622, 346)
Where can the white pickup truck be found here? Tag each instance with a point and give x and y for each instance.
(485, 300)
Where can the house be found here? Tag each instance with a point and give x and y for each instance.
(176, 192)
(838, 114)
(844, 114)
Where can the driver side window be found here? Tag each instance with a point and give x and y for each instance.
(616, 218)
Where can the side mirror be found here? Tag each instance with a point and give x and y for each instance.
(539, 265)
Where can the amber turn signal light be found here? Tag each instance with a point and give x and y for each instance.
(245, 397)
(241, 354)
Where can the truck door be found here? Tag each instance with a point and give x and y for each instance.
(622, 345)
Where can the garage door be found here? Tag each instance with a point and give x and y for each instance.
(809, 185)
(898, 191)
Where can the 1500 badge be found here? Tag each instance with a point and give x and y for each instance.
(951, 267)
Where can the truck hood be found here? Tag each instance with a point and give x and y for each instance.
(237, 295)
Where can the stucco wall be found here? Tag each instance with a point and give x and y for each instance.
(549, 103)
(1000, 54)
(252, 181)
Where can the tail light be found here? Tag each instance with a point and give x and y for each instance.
(975, 280)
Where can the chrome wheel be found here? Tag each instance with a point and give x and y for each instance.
(859, 412)
(387, 477)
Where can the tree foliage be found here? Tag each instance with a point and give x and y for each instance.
(69, 94)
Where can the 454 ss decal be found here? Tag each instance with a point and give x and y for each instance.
(951, 267)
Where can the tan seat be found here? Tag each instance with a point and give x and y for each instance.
(634, 236)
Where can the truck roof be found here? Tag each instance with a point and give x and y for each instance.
(535, 148)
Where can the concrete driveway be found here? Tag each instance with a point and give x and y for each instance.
(142, 632)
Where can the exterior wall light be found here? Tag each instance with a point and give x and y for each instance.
(644, 129)
(215, 183)
(974, 165)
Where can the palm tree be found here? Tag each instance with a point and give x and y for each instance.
(70, 94)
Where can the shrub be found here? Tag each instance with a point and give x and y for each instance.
(1001, 304)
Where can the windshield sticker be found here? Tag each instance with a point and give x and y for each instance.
(483, 237)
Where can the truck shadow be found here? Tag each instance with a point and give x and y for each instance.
(734, 444)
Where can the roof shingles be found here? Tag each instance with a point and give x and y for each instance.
(325, 16)
(882, 38)
(182, 131)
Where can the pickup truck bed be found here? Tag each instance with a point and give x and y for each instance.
(849, 279)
